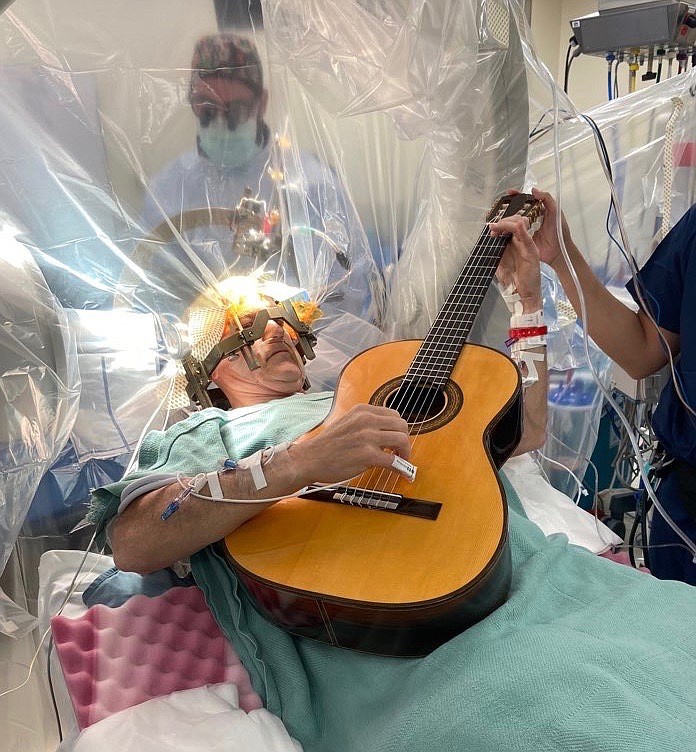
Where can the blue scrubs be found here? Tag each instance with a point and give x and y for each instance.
(669, 287)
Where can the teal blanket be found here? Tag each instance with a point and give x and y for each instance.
(585, 656)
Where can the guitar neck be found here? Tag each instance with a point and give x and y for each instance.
(448, 334)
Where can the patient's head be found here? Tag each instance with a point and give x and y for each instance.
(233, 305)
(281, 370)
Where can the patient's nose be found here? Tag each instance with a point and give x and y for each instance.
(273, 329)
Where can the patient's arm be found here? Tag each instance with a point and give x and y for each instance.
(535, 409)
(520, 269)
(364, 437)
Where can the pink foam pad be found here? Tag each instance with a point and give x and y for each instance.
(114, 658)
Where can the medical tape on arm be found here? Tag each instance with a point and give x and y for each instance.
(527, 357)
(511, 297)
(255, 463)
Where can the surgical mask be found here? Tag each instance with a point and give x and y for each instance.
(229, 148)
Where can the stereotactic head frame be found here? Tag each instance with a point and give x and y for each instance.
(199, 373)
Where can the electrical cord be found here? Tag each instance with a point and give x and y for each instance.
(571, 53)
(50, 686)
(689, 544)
(645, 506)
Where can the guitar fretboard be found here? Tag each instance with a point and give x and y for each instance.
(438, 354)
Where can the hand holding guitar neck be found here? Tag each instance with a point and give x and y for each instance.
(519, 267)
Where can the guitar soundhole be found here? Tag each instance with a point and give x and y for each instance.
(423, 407)
(417, 404)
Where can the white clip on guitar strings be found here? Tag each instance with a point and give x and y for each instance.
(404, 467)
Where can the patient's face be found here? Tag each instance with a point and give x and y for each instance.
(280, 372)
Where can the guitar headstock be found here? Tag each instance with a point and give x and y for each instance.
(517, 203)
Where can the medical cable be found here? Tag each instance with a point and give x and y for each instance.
(639, 521)
(583, 312)
(50, 687)
(582, 491)
(583, 457)
(134, 457)
(594, 511)
(571, 53)
(599, 143)
(341, 255)
(610, 64)
(202, 477)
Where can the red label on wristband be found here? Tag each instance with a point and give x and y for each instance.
(527, 331)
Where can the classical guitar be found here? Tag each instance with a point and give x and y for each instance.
(384, 565)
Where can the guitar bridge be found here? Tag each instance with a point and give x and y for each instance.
(368, 498)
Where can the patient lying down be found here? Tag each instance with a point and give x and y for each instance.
(576, 632)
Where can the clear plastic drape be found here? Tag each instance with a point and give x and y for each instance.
(370, 140)
(40, 383)
(381, 134)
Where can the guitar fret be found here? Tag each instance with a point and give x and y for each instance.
(428, 371)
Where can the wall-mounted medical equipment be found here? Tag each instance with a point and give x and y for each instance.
(639, 32)
(636, 28)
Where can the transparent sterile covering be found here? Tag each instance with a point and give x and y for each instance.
(40, 383)
(362, 175)
(350, 149)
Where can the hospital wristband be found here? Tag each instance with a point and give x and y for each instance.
(526, 320)
(532, 336)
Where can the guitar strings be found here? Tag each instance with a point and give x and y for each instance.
(428, 351)
(496, 243)
(462, 301)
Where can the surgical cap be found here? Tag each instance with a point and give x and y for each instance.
(228, 55)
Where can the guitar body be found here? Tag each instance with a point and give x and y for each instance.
(399, 581)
